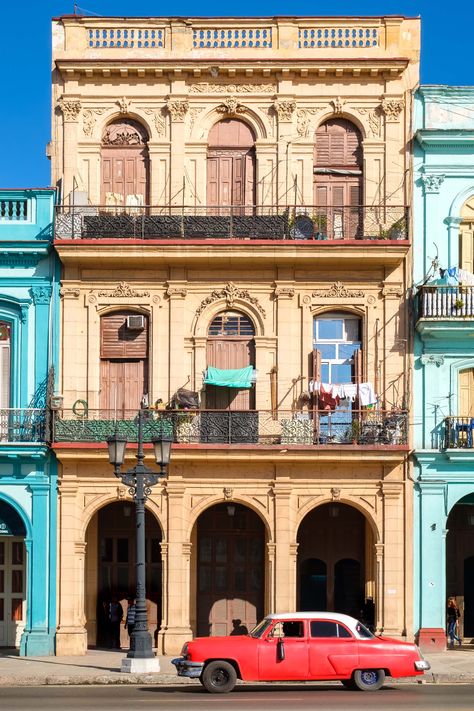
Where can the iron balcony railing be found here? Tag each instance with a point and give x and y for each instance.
(23, 425)
(458, 432)
(258, 427)
(446, 302)
(254, 222)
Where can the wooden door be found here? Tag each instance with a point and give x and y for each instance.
(230, 583)
(466, 246)
(230, 179)
(230, 353)
(466, 393)
(123, 384)
(125, 164)
(12, 591)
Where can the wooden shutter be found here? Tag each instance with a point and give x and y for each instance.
(358, 367)
(466, 393)
(4, 375)
(249, 198)
(338, 144)
(118, 341)
(466, 251)
(316, 365)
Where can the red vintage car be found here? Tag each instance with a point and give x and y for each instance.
(300, 646)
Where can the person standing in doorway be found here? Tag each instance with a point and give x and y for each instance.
(130, 616)
(115, 619)
(452, 618)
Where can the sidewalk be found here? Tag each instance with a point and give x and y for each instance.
(103, 667)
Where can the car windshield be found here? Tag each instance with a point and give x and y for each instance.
(260, 628)
(363, 631)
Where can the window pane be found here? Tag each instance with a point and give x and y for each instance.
(341, 373)
(123, 579)
(325, 373)
(293, 629)
(346, 351)
(331, 329)
(256, 579)
(154, 583)
(323, 628)
(343, 632)
(327, 350)
(221, 550)
(205, 550)
(2, 581)
(239, 550)
(239, 580)
(221, 579)
(204, 579)
(17, 609)
(17, 581)
(352, 329)
(107, 550)
(122, 550)
(17, 553)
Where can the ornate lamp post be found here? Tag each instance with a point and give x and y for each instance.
(139, 480)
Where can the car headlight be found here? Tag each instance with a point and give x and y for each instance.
(184, 651)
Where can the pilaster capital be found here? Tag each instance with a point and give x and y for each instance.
(284, 109)
(41, 294)
(432, 182)
(178, 109)
(176, 290)
(432, 359)
(70, 107)
(392, 109)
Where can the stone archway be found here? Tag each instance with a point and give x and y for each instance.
(460, 562)
(229, 569)
(13, 583)
(110, 569)
(335, 560)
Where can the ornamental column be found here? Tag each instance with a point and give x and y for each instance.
(41, 297)
(71, 108)
(285, 549)
(284, 108)
(178, 372)
(178, 107)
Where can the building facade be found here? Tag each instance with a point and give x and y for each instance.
(234, 232)
(443, 366)
(28, 474)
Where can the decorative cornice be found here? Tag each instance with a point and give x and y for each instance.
(231, 107)
(230, 293)
(338, 291)
(392, 109)
(70, 107)
(432, 359)
(41, 294)
(284, 109)
(445, 138)
(432, 182)
(178, 109)
(206, 88)
(123, 290)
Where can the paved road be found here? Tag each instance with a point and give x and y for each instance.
(289, 697)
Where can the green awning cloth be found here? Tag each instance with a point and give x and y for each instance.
(239, 378)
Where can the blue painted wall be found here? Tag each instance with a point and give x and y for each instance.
(443, 181)
(29, 302)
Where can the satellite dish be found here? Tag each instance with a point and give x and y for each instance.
(303, 227)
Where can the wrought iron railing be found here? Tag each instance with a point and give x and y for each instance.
(458, 432)
(254, 222)
(22, 425)
(259, 427)
(446, 302)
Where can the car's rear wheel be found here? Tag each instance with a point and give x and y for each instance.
(368, 679)
(218, 677)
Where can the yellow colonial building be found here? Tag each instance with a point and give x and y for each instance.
(234, 231)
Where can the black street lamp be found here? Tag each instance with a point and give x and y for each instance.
(139, 480)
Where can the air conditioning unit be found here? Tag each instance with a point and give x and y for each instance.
(135, 323)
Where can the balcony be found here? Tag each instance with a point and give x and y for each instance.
(249, 427)
(446, 302)
(23, 425)
(284, 224)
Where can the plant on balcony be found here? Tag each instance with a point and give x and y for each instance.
(396, 231)
(458, 304)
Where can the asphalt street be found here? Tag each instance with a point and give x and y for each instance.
(246, 697)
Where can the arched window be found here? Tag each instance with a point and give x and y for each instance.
(338, 178)
(231, 323)
(231, 164)
(125, 164)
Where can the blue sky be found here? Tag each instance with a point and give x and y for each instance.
(25, 55)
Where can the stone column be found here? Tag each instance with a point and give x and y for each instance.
(393, 108)
(176, 598)
(285, 106)
(176, 293)
(379, 586)
(177, 106)
(448, 249)
(285, 549)
(394, 561)
(71, 108)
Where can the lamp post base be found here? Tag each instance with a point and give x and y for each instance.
(140, 666)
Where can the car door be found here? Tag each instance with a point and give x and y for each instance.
(283, 652)
(333, 650)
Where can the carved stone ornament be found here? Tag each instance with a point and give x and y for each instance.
(392, 290)
(303, 121)
(432, 359)
(73, 293)
(338, 105)
(392, 109)
(335, 494)
(284, 292)
(125, 132)
(207, 88)
(228, 492)
(123, 290)
(176, 291)
(124, 105)
(231, 107)
(432, 182)
(193, 114)
(41, 294)
(230, 293)
(339, 291)
(89, 118)
(373, 120)
(158, 120)
(178, 109)
(284, 109)
(70, 108)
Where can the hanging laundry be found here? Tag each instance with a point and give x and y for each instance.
(367, 394)
(327, 401)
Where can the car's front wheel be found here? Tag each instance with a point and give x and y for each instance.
(218, 677)
(368, 679)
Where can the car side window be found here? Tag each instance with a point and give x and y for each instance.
(287, 629)
(326, 628)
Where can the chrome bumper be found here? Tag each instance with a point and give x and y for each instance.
(422, 665)
(187, 668)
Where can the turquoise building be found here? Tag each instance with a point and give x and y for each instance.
(28, 473)
(443, 376)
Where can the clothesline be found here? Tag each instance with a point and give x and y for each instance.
(332, 393)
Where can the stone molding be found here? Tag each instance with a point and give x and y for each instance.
(432, 359)
(284, 109)
(178, 109)
(70, 107)
(123, 290)
(432, 182)
(206, 88)
(392, 109)
(339, 291)
(231, 107)
(338, 105)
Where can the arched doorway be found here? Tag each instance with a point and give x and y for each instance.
(12, 576)
(334, 560)
(338, 178)
(111, 570)
(123, 363)
(460, 561)
(230, 562)
(125, 164)
(231, 164)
